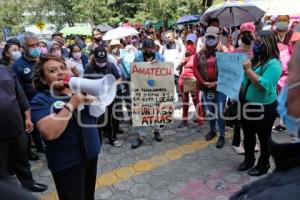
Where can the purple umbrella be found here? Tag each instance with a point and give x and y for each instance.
(188, 19)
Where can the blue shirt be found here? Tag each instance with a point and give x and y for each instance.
(139, 57)
(24, 70)
(77, 143)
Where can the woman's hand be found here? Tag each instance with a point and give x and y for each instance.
(80, 98)
(247, 65)
(184, 61)
(212, 85)
(154, 61)
(206, 84)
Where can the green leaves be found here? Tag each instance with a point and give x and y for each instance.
(17, 14)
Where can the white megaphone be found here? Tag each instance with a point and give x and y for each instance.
(103, 89)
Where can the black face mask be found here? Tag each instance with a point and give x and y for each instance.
(97, 39)
(247, 40)
(149, 54)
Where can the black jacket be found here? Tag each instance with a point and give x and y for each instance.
(13, 104)
(283, 183)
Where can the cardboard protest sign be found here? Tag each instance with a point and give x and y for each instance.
(152, 91)
(127, 56)
(230, 73)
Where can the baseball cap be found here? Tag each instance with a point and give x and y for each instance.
(248, 26)
(100, 54)
(212, 31)
(191, 37)
(13, 40)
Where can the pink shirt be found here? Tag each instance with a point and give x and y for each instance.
(285, 57)
(187, 71)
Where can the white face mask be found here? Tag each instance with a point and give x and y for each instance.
(241, 44)
(16, 55)
(77, 55)
(57, 53)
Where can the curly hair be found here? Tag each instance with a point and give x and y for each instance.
(39, 73)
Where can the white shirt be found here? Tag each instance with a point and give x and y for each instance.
(78, 65)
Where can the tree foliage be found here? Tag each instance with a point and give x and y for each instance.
(18, 13)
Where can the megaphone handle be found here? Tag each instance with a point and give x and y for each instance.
(80, 108)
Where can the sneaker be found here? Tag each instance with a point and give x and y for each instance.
(279, 129)
(221, 142)
(117, 143)
(157, 136)
(256, 148)
(210, 136)
(136, 143)
(239, 150)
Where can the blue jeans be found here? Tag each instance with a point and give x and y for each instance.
(214, 104)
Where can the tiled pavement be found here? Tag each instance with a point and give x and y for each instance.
(182, 167)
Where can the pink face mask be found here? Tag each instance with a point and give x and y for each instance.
(44, 50)
(77, 55)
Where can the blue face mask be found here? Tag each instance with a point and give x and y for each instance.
(291, 123)
(282, 26)
(259, 49)
(211, 42)
(35, 52)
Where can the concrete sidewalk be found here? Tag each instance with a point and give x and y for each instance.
(181, 167)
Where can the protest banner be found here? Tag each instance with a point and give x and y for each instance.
(152, 91)
(127, 56)
(230, 73)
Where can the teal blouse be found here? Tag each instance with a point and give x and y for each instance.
(269, 73)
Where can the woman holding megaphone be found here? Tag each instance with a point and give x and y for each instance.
(71, 139)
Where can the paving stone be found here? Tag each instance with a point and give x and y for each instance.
(123, 195)
(158, 182)
(168, 132)
(124, 185)
(104, 193)
(179, 175)
(190, 160)
(114, 158)
(127, 161)
(192, 168)
(109, 166)
(142, 178)
(141, 190)
(176, 186)
(160, 195)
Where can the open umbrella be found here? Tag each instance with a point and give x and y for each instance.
(76, 30)
(188, 19)
(104, 27)
(120, 32)
(233, 13)
(279, 7)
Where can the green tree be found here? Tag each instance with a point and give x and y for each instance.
(11, 15)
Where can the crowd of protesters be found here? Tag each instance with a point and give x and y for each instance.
(31, 67)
